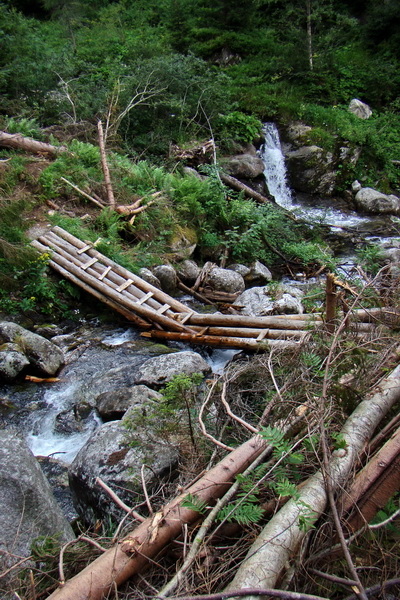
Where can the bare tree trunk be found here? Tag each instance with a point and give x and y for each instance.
(21, 142)
(309, 35)
(275, 547)
(104, 164)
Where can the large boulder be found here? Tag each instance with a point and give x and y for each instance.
(188, 271)
(261, 301)
(245, 166)
(371, 201)
(115, 454)
(225, 280)
(113, 405)
(167, 277)
(28, 508)
(311, 170)
(159, 370)
(360, 109)
(44, 356)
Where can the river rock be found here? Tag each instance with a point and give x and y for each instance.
(148, 276)
(12, 362)
(42, 354)
(245, 166)
(311, 170)
(241, 269)
(360, 109)
(258, 273)
(261, 301)
(372, 201)
(114, 404)
(28, 507)
(159, 370)
(225, 280)
(116, 455)
(167, 277)
(188, 271)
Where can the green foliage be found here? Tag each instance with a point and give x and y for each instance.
(26, 126)
(180, 387)
(194, 503)
(237, 126)
(371, 258)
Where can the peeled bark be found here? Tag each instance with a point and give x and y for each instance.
(273, 550)
(131, 555)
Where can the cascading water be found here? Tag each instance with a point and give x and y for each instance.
(275, 168)
(275, 174)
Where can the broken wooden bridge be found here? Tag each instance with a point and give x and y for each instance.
(160, 315)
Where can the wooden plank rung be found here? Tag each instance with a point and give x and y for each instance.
(124, 285)
(163, 309)
(104, 273)
(82, 250)
(144, 298)
(262, 335)
(89, 263)
(186, 317)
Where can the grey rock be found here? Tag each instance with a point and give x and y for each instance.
(28, 507)
(225, 280)
(245, 166)
(43, 355)
(188, 271)
(116, 455)
(12, 362)
(372, 201)
(311, 170)
(241, 269)
(114, 404)
(159, 370)
(360, 109)
(167, 277)
(258, 273)
(67, 423)
(356, 186)
(148, 276)
(259, 301)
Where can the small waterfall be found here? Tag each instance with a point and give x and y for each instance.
(275, 169)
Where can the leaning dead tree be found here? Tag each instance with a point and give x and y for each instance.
(273, 551)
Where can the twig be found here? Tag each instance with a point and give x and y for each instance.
(333, 578)
(118, 501)
(231, 414)
(146, 495)
(32, 584)
(201, 422)
(104, 165)
(75, 187)
(4, 573)
(274, 593)
(379, 587)
(81, 538)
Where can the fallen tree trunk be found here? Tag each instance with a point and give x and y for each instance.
(21, 142)
(272, 552)
(221, 341)
(248, 191)
(132, 554)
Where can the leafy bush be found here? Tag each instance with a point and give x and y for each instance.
(239, 127)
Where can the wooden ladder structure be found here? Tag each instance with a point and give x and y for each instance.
(159, 315)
